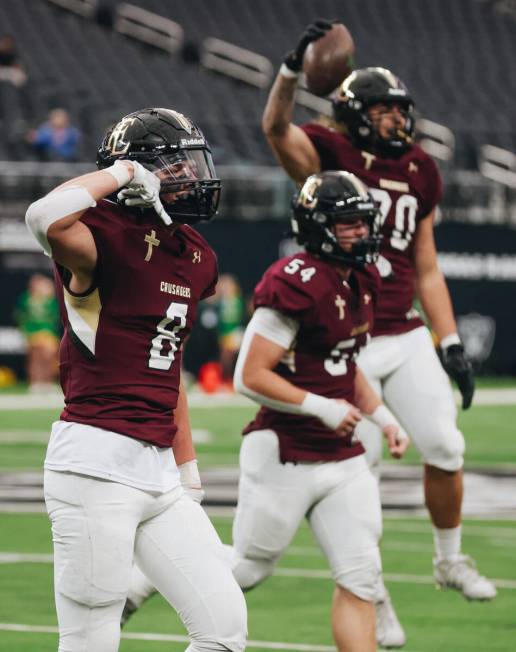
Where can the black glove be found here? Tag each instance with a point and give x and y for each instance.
(294, 59)
(460, 370)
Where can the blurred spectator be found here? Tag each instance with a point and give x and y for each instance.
(57, 139)
(230, 327)
(11, 69)
(37, 316)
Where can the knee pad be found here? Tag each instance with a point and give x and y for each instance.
(446, 452)
(250, 572)
(362, 576)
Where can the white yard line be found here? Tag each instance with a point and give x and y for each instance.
(174, 638)
(492, 396)
(315, 574)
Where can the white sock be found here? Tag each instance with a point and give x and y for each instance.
(447, 542)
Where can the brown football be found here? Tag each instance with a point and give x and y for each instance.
(328, 61)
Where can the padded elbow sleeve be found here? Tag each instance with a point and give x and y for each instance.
(49, 209)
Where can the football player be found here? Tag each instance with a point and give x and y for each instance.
(371, 135)
(300, 457)
(129, 273)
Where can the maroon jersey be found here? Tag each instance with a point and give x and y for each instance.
(334, 318)
(120, 356)
(407, 190)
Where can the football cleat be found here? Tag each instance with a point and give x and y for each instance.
(461, 573)
(389, 632)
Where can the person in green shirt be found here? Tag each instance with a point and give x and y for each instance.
(37, 316)
(231, 313)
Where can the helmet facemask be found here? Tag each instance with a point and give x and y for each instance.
(189, 188)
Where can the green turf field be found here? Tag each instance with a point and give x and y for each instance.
(292, 609)
(489, 431)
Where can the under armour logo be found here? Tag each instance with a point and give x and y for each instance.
(196, 258)
(340, 303)
(367, 298)
(412, 167)
(152, 241)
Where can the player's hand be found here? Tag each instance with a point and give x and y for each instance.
(314, 31)
(397, 440)
(143, 191)
(351, 419)
(459, 368)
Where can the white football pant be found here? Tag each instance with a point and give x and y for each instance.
(340, 500)
(406, 372)
(99, 528)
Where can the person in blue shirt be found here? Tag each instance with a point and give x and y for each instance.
(56, 139)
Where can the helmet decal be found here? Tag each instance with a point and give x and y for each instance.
(116, 143)
(185, 122)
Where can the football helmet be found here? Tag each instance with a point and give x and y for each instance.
(361, 90)
(171, 146)
(329, 198)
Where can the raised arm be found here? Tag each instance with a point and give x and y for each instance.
(291, 146)
(55, 219)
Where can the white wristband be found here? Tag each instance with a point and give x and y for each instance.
(330, 412)
(449, 340)
(285, 71)
(382, 417)
(189, 474)
(120, 172)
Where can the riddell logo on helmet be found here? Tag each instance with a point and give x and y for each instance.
(191, 142)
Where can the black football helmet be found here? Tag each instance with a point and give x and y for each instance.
(361, 90)
(329, 198)
(171, 146)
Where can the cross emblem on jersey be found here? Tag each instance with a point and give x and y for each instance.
(368, 159)
(340, 303)
(152, 241)
(412, 167)
(367, 298)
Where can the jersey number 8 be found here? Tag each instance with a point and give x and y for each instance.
(162, 355)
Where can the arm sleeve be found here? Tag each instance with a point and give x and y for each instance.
(274, 326)
(264, 322)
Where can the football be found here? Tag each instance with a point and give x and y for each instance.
(328, 61)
